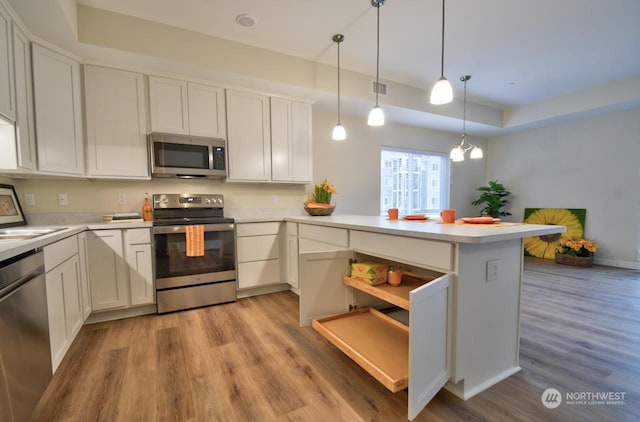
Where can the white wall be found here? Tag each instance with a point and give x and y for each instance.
(589, 163)
(353, 165)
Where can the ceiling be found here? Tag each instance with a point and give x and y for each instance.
(519, 52)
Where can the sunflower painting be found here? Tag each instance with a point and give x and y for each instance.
(545, 246)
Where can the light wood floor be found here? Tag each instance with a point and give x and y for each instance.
(250, 361)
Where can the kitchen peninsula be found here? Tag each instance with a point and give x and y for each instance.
(461, 325)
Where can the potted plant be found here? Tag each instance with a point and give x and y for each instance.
(493, 198)
(320, 202)
(577, 252)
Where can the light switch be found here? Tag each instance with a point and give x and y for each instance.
(29, 199)
(492, 270)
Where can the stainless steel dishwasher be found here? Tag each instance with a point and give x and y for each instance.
(25, 352)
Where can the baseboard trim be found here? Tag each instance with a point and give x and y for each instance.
(458, 389)
(262, 290)
(103, 316)
(616, 263)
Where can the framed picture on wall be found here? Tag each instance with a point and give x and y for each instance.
(10, 211)
(545, 246)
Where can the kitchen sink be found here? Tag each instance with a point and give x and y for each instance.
(25, 234)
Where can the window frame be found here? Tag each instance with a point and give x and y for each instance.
(445, 173)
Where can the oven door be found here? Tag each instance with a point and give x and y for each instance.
(175, 269)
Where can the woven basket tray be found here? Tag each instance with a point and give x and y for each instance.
(576, 261)
(319, 211)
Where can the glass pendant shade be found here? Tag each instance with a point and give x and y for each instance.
(339, 134)
(476, 153)
(457, 154)
(376, 117)
(442, 92)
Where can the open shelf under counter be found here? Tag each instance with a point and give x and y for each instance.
(375, 341)
(396, 295)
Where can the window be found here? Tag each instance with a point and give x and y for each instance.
(415, 182)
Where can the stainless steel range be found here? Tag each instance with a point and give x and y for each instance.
(189, 276)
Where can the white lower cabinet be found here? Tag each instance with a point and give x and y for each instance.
(291, 255)
(62, 275)
(85, 293)
(120, 268)
(258, 252)
(138, 254)
(404, 346)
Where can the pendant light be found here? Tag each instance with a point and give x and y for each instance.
(441, 93)
(376, 116)
(339, 134)
(457, 153)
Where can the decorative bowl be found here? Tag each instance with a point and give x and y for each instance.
(319, 211)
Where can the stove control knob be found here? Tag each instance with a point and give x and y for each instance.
(208, 201)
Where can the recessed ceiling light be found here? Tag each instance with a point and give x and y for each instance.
(245, 20)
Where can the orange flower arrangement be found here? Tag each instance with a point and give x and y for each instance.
(321, 197)
(576, 247)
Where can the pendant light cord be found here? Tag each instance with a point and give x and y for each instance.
(378, 55)
(464, 107)
(442, 46)
(338, 82)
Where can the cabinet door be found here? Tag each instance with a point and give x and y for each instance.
(168, 105)
(116, 123)
(322, 291)
(140, 274)
(248, 133)
(428, 332)
(281, 140)
(301, 142)
(85, 294)
(7, 94)
(292, 261)
(56, 84)
(64, 308)
(107, 274)
(207, 115)
(25, 134)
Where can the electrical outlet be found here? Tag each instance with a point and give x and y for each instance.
(122, 198)
(29, 199)
(492, 270)
(63, 199)
(275, 199)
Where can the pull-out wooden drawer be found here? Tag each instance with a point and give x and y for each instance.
(375, 341)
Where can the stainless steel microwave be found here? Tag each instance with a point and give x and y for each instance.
(187, 156)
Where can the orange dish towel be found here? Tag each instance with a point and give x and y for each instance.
(194, 240)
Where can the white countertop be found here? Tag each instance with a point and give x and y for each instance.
(11, 248)
(458, 232)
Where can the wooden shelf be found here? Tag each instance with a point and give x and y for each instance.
(376, 342)
(396, 295)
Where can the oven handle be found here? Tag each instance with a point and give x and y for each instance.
(182, 228)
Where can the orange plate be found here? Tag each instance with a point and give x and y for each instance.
(415, 217)
(480, 220)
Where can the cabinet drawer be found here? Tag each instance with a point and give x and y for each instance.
(257, 229)
(410, 250)
(258, 248)
(137, 236)
(258, 273)
(59, 252)
(331, 235)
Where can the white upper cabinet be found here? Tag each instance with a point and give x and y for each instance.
(269, 138)
(291, 149)
(207, 115)
(116, 123)
(249, 133)
(25, 120)
(7, 94)
(58, 109)
(186, 108)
